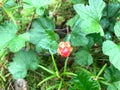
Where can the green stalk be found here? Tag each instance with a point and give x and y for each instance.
(69, 73)
(9, 14)
(44, 68)
(100, 72)
(56, 68)
(46, 79)
(52, 87)
(94, 69)
(105, 83)
(60, 85)
(65, 65)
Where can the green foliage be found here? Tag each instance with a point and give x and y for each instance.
(43, 36)
(84, 81)
(112, 75)
(91, 15)
(113, 8)
(83, 58)
(113, 51)
(38, 5)
(23, 61)
(11, 40)
(78, 1)
(18, 42)
(117, 29)
(78, 38)
(31, 29)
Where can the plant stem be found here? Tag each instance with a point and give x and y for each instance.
(65, 65)
(94, 68)
(69, 73)
(105, 83)
(56, 68)
(44, 68)
(46, 79)
(60, 85)
(9, 14)
(100, 72)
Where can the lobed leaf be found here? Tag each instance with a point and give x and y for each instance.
(84, 81)
(113, 51)
(23, 61)
(78, 38)
(91, 15)
(7, 33)
(83, 57)
(117, 29)
(43, 36)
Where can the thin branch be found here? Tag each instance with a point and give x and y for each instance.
(29, 24)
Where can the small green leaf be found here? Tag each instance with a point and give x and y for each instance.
(112, 9)
(117, 29)
(113, 51)
(18, 42)
(17, 69)
(78, 1)
(23, 61)
(8, 37)
(7, 33)
(91, 15)
(83, 57)
(105, 23)
(84, 81)
(114, 86)
(74, 23)
(78, 38)
(38, 5)
(43, 36)
(112, 74)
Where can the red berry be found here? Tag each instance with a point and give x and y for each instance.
(64, 49)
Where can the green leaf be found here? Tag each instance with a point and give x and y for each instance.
(108, 36)
(17, 69)
(78, 38)
(18, 42)
(23, 61)
(105, 23)
(8, 37)
(74, 23)
(43, 36)
(78, 1)
(113, 7)
(84, 81)
(9, 4)
(117, 29)
(83, 58)
(114, 86)
(38, 5)
(113, 51)
(7, 33)
(112, 74)
(91, 15)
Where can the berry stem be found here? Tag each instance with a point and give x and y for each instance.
(65, 65)
(101, 70)
(56, 68)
